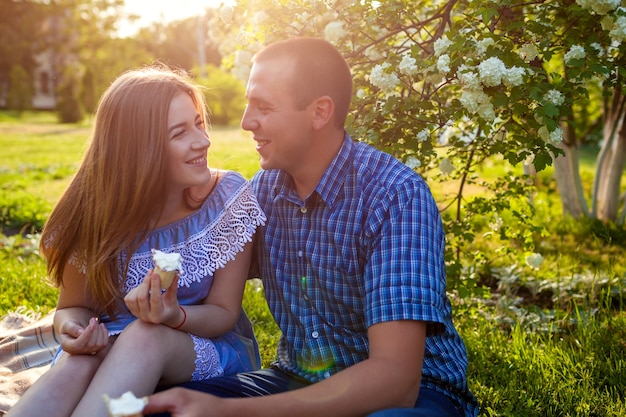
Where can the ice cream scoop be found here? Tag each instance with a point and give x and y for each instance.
(125, 406)
(166, 265)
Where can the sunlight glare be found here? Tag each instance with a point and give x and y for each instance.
(165, 11)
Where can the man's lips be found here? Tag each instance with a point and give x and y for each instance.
(261, 143)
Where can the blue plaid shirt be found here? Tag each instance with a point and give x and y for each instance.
(367, 246)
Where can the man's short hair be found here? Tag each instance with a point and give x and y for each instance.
(320, 70)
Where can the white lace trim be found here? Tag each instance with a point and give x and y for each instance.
(207, 359)
(213, 246)
(207, 250)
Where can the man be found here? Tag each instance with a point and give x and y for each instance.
(352, 261)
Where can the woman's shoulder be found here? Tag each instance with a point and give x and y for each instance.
(233, 177)
(228, 183)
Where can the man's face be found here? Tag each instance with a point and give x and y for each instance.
(282, 132)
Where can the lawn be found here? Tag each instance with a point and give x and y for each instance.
(541, 342)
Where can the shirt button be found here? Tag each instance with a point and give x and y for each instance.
(315, 335)
(303, 209)
(300, 254)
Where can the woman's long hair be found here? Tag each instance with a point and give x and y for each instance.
(119, 191)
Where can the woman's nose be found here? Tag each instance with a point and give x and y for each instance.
(202, 140)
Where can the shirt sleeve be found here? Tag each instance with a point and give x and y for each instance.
(405, 274)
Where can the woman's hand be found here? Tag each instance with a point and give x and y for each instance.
(148, 303)
(79, 340)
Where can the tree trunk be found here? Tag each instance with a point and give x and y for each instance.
(611, 160)
(567, 175)
(568, 181)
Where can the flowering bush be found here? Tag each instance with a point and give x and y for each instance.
(446, 85)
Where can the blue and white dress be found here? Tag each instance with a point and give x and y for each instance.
(206, 239)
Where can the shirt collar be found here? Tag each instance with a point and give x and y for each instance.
(331, 182)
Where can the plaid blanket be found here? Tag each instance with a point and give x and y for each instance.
(27, 346)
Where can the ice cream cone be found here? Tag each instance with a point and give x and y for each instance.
(166, 277)
(166, 265)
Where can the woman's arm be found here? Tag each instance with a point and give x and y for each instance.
(75, 323)
(217, 314)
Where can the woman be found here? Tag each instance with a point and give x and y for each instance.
(144, 184)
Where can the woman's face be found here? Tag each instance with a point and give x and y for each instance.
(187, 146)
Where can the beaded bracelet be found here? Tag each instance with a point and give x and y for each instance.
(184, 319)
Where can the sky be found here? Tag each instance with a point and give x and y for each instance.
(163, 10)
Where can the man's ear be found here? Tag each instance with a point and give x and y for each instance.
(324, 112)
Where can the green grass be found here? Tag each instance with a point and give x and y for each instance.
(542, 342)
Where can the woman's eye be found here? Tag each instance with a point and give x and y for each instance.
(178, 134)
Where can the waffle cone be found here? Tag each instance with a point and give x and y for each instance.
(166, 277)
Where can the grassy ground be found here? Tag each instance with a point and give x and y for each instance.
(545, 342)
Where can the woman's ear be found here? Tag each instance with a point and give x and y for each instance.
(324, 112)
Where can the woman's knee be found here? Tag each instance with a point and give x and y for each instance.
(149, 338)
(141, 333)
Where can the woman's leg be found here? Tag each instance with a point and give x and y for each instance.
(143, 356)
(57, 392)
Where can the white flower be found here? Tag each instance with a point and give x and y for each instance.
(554, 137)
(226, 14)
(618, 32)
(423, 135)
(575, 52)
(534, 260)
(483, 44)
(491, 71)
(385, 81)
(597, 47)
(487, 112)
(441, 45)
(443, 64)
(477, 102)
(361, 93)
(528, 52)
(514, 76)
(471, 100)
(445, 166)
(599, 6)
(468, 78)
(407, 65)
(555, 97)
(334, 31)
(412, 162)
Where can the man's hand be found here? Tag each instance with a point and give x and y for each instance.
(182, 402)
